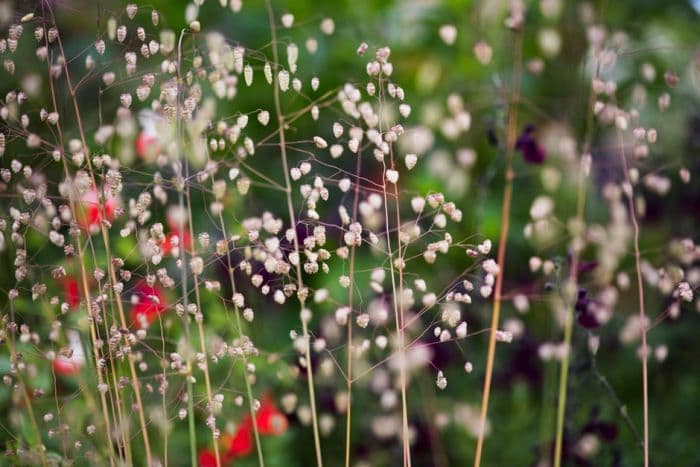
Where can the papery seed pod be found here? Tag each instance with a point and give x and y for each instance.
(154, 17)
(33, 141)
(410, 161)
(314, 83)
(483, 52)
(142, 92)
(52, 35)
(336, 151)
(12, 45)
(130, 58)
(153, 47)
(249, 145)
(287, 20)
(267, 71)
(144, 51)
(100, 46)
(362, 48)
(315, 112)
(149, 79)
(131, 10)
(264, 117)
(111, 28)
(41, 53)
(448, 33)
(52, 118)
(121, 33)
(292, 57)
(296, 84)
(311, 45)
(283, 80)
(2, 144)
(89, 62)
(392, 176)
(125, 100)
(248, 75)
(238, 53)
(108, 78)
(168, 40)
(141, 33)
(327, 26)
(15, 31)
(9, 66)
(337, 129)
(243, 185)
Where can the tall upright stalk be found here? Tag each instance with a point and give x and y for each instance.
(239, 326)
(351, 286)
(503, 237)
(183, 180)
(39, 445)
(301, 293)
(184, 204)
(571, 286)
(84, 280)
(105, 237)
(629, 193)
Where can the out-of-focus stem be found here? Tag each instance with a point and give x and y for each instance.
(629, 192)
(503, 238)
(351, 272)
(293, 225)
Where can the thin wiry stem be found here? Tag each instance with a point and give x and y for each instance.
(571, 287)
(85, 288)
(293, 224)
(351, 273)
(629, 192)
(239, 326)
(184, 166)
(105, 237)
(200, 326)
(396, 293)
(503, 239)
(27, 399)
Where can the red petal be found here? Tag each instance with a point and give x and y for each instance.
(65, 367)
(270, 420)
(71, 288)
(207, 459)
(146, 145)
(242, 442)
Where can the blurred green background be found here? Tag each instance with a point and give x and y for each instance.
(555, 100)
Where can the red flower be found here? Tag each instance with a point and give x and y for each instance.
(270, 421)
(147, 145)
(150, 304)
(89, 213)
(207, 459)
(72, 291)
(148, 142)
(70, 365)
(183, 241)
(241, 443)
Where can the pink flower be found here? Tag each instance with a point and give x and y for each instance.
(89, 213)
